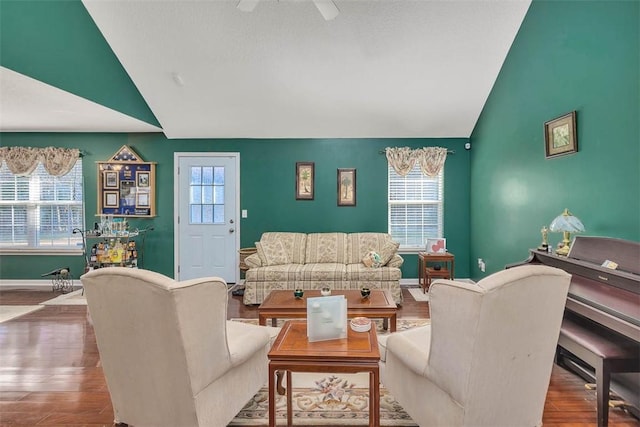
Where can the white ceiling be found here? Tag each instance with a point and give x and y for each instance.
(381, 68)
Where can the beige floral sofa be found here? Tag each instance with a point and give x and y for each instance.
(312, 261)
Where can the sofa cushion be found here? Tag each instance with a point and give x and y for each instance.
(327, 247)
(396, 261)
(388, 250)
(359, 244)
(360, 272)
(323, 271)
(272, 252)
(274, 273)
(294, 244)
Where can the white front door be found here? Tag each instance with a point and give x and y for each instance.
(207, 234)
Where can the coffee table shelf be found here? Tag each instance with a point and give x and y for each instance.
(281, 304)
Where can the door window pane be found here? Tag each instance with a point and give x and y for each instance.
(207, 195)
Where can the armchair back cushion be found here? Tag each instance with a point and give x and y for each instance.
(488, 353)
(164, 345)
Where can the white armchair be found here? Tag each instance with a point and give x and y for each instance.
(486, 357)
(169, 355)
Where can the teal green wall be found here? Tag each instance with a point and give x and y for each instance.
(267, 184)
(568, 55)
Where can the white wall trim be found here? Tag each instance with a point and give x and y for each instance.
(36, 285)
(409, 282)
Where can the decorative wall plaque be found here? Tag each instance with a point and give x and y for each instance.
(126, 185)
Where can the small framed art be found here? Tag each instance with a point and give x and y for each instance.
(111, 199)
(142, 199)
(305, 177)
(346, 187)
(560, 136)
(436, 246)
(142, 178)
(111, 179)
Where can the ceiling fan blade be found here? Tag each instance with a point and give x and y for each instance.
(247, 5)
(327, 8)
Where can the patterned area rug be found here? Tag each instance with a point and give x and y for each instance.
(328, 399)
(72, 298)
(418, 294)
(8, 312)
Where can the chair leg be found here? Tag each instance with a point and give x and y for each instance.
(603, 380)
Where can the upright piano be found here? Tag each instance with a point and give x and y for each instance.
(606, 296)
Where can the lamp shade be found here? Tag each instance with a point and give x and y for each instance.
(566, 222)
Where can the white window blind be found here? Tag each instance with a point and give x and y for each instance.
(415, 207)
(40, 211)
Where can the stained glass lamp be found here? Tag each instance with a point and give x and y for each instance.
(566, 223)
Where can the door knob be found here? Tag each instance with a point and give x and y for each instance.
(231, 230)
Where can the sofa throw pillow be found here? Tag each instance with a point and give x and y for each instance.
(274, 252)
(372, 260)
(388, 250)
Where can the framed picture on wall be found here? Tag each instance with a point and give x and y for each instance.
(346, 187)
(305, 177)
(560, 136)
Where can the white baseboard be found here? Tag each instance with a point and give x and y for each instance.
(409, 283)
(36, 285)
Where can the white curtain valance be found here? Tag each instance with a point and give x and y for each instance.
(22, 161)
(430, 159)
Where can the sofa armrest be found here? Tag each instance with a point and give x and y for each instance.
(253, 261)
(396, 261)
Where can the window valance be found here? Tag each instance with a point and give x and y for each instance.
(23, 160)
(430, 159)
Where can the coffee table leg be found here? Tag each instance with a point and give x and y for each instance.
(393, 321)
(385, 323)
(374, 398)
(274, 321)
(272, 397)
(289, 399)
(279, 389)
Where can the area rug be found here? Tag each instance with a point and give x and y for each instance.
(418, 294)
(72, 298)
(328, 399)
(8, 312)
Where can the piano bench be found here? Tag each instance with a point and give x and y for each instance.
(602, 350)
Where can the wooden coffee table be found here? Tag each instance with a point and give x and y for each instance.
(292, 352)
(281, 304)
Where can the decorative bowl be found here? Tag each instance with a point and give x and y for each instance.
(298, 293)
(365, 292)
(325, 291)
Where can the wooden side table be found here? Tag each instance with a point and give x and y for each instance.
(427, 268)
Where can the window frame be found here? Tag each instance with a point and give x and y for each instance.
(35, 203)
(411, 249)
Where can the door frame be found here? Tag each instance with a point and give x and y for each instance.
(176, 208)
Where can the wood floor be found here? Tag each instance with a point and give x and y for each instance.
(50, 372)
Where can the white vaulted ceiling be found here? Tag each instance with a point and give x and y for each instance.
(381, 68)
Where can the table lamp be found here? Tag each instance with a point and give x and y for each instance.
(567, 224)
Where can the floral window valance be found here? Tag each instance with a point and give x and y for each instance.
(22, 161)
(430, 159)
